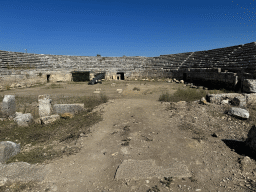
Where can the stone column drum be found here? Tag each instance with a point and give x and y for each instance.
(44, 105)
(9, 106)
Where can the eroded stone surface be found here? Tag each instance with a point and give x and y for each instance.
(49, 119)
(7, 150)
(68, 108)
(249, 85)
(44, 105)
(22, 171)
(24, 120)
(238, 112)
(146, 169)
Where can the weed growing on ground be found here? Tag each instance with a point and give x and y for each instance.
(8, 87)
(36, 135)
(167, 181)
(136, 89)
(192, 179)
(166, 97)
(154, 189)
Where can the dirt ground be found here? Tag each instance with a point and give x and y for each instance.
(146, 145)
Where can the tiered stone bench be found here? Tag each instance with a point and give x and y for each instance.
(229, 65)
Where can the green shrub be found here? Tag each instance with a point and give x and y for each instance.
(187, 94)
(166, 97)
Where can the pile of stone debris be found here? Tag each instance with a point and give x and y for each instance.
(238, 101)
(47, 113)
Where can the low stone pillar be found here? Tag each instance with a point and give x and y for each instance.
(44, 105)
(9, 106)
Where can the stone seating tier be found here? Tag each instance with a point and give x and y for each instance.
(229, 58)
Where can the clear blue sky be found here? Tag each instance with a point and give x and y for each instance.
(124, 27)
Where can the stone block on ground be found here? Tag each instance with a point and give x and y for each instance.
(203, 101)
(96, 92)
(7, 150)
(249, 86)
(225, 102)
(24, 120)
(9, 106)
(44, 102)
(68, 108)
(247, 164)
(67, 116)
(49, 119)
(239, 112)
(146, 169)
(119, 90)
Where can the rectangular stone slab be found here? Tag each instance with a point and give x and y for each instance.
(68, 108)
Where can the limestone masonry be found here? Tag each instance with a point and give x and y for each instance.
(226, 67)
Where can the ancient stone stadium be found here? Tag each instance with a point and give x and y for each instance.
(178, 122)
(224, 67)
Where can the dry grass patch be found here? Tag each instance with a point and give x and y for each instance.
(187, 94)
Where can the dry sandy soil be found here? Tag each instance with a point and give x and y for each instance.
(146, 145)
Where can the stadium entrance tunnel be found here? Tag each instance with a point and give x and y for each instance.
(48, 78)
(79, 76)
(120, 75)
